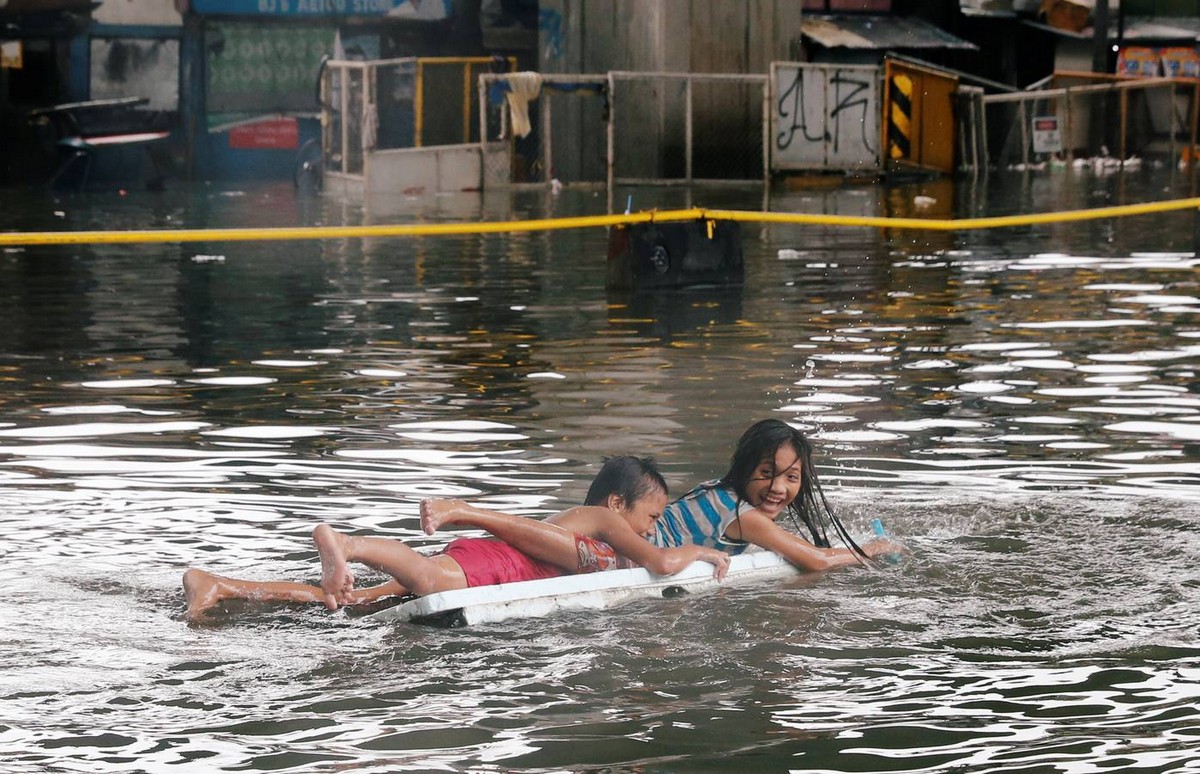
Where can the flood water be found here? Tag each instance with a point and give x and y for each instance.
(1021, 407)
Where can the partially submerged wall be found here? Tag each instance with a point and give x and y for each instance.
(678, 36)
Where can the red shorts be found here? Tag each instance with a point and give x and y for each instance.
(487, 562)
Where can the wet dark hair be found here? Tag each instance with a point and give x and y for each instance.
(760, 442)
(630, 477)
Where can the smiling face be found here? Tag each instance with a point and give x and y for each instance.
(643, 512)
(776, 481)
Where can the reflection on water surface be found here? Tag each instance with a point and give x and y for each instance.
(1019, 406)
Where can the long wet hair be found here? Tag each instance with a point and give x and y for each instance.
(760, 442)
(630, 477)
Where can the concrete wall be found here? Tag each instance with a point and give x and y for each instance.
(701, 36)
(123, 67)
(157, 12)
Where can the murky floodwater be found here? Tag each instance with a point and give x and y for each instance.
(1021, 407)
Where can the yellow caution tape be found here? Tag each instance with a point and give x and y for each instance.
(587, 221)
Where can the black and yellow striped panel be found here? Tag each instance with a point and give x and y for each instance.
(900, 91)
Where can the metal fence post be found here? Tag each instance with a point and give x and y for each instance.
(1125, 122)
(466, 103)
(1024, 118)
(766, 131)
(547, 150)
(482, 99)
(419, 105)
(1070, 127)
(612, 128)
(688, 148)
(1195, 115)
(983, 133)
(345, 100)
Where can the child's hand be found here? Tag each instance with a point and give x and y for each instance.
(719, 559)
(885, 549)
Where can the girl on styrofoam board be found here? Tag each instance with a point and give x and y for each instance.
(771, 474)
(626, 515)
(610, 531)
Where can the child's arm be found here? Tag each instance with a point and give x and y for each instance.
(717, 558)
(759, 529)
(884, 547)
(661, 561)
(553, 540)
(543, 540)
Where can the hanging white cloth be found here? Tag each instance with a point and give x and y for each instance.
(522, 87)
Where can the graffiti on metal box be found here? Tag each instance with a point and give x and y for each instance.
(825, 117)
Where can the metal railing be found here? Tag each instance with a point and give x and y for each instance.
(684, 128)
(384, 104)
(568, 142)
(636, 128)
(1098, 115)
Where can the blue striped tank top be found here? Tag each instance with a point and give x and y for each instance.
(700, 518)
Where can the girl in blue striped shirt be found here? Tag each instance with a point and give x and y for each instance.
(771, 473)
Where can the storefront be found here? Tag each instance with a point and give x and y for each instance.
(37, 41)
(252, 70)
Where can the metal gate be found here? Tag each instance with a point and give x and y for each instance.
(386, 104)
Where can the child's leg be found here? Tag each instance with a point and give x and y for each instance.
(204, 590)
(418, 573)
(368, 594)
(546, 542)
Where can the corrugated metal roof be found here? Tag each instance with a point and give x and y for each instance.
(877, 33)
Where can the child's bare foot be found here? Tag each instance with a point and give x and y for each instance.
(337, 582)
(202, 590)
(437, 513)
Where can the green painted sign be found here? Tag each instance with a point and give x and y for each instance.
(263, 68)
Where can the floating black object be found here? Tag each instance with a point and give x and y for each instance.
(669, 255)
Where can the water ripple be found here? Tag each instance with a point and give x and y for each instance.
(1024, 421)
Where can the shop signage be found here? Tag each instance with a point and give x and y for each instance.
(11, 54)
(1046, 136)
(271, 134)
(418, 10)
